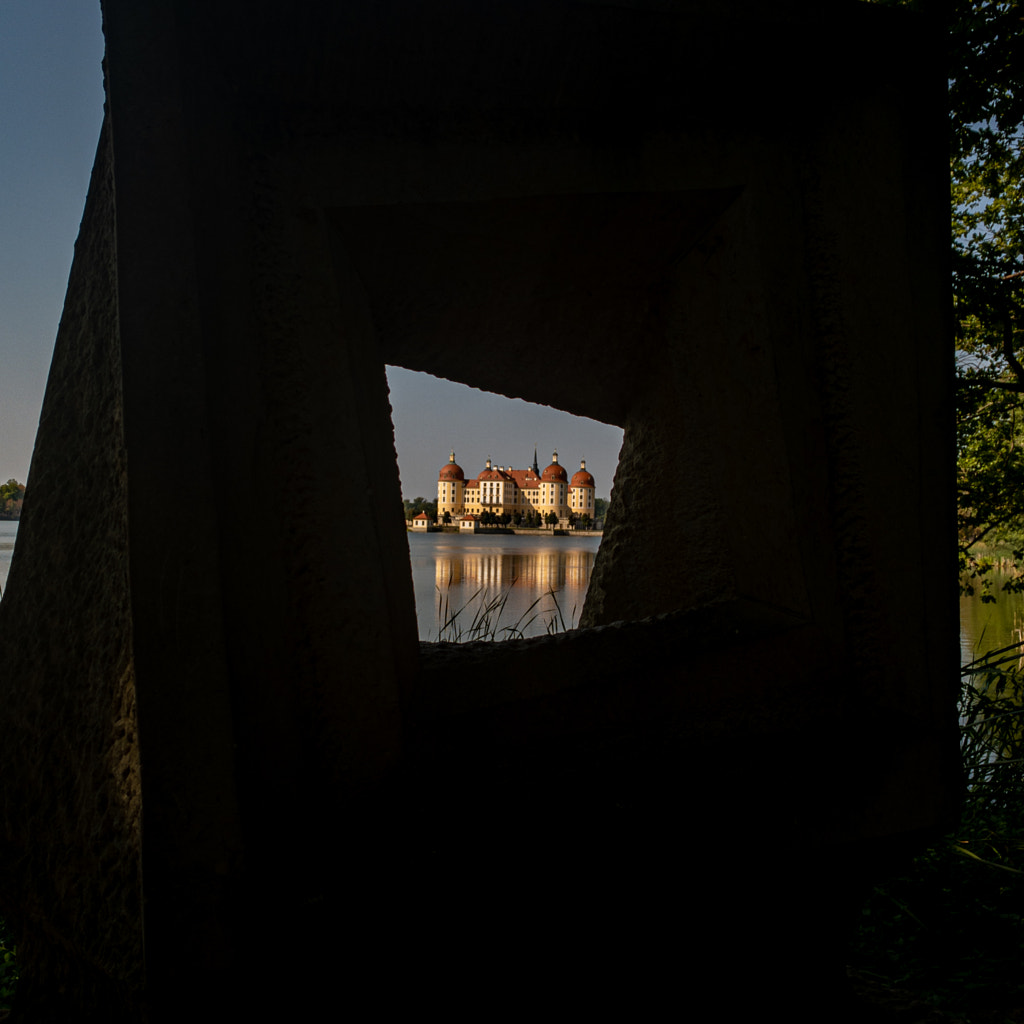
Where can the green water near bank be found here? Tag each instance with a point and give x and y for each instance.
(990, 626)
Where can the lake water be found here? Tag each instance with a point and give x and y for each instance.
(538, 581)
(990, 627)
(541, 579)
(8, 534)
(451, 571)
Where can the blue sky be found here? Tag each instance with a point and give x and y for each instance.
(433, 416)
(51, 107)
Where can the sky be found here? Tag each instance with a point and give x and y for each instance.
(51, 108)
(433, 416)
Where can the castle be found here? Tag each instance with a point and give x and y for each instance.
(523, 491)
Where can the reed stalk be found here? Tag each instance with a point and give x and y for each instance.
(485, 613)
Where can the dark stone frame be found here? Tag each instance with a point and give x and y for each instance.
(275, 211)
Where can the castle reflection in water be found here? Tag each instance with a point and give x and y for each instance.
(537, 580)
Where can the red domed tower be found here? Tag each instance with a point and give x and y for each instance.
(554, 472)
(582, 491)
(554, 488)
(582, 478)
(451, 482)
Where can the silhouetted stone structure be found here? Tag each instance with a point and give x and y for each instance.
(723, 224)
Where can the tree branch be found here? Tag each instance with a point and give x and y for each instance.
(1004, 385)
(1008, 353)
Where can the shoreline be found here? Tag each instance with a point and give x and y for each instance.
(549, 531)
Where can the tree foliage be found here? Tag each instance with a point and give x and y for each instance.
(8, 966)
(986, 128)
(11, 496)
(986, 110)
(417, 505)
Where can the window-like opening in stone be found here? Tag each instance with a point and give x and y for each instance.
(504, 502)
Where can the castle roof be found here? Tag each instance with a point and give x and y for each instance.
(451, 470)
(582, 478)
(555, 473)
(529, 478)
(525, 479)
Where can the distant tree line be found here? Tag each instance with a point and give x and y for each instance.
(11, 496)
(417, 505)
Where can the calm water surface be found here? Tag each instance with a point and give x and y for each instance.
(8, 533)
(989, 627)
(541, 580)
(552, 575)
